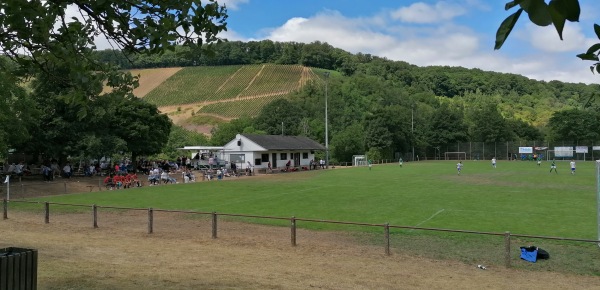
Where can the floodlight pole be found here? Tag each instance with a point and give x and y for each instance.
(598, 195)
(326, 123)
(7, 187)
(412, 129)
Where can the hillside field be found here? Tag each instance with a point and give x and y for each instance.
(223, 91)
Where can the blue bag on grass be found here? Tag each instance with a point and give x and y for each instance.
(533, 253)
(529, 254)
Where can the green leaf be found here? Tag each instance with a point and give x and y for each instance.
(506, 27)
(597, 30)
(593, 49)
(569, 9)
(512, 4)
(558, 19)
(585, 56)
(537, 11)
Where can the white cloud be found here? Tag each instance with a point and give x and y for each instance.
(232, 35)
(444, 44)
(547, 39)
(333, 28)
(441, 44)
(425, 13)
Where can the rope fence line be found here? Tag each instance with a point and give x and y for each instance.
(293, 224)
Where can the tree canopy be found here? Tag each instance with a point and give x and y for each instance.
(51, 47)
(554, 13)
(67, 28)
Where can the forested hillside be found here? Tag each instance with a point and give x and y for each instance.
(385, 106)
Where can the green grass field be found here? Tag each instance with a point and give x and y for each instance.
(519, 197)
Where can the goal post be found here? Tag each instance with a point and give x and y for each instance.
(359, 160)
(455, 155)
(598, 197)
(560, 155)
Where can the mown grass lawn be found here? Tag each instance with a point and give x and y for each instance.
(517, 196)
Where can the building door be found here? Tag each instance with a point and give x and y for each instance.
(274, 160)
(296, 159)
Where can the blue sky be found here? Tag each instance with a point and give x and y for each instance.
(454, 33)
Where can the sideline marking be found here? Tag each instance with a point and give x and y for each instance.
(431, 217)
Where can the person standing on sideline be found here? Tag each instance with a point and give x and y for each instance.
(400, 162)
(67, 171)
(572, 166)
(494, 162)
(553, 166)
(211, 161)
(459, 166)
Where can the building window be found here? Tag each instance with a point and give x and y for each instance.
(265, 157)
(283, 156)
(305, 155)
(257, 161)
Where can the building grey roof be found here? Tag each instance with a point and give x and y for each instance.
(278, 142)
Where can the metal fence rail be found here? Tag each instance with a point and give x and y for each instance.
(502, 150)
(293, 224)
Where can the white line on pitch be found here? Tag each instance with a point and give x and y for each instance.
(439, 212)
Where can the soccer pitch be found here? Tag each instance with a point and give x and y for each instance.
(517, 196)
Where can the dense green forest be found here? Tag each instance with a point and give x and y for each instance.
(386, 106)
(375, 105)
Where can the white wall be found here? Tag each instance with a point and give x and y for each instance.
(245, 145)
(253, 151)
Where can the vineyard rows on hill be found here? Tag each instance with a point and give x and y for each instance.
(244, 90)
(190, 85)
(245, 107)
(275, 78)
(205, 84)
(237, 82)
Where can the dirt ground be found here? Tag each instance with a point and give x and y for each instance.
(181, 254)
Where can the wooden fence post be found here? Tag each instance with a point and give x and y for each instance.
(99, 184)
(5, 209)
(214, 225)
(387, 239)
(46, 212)
(23, 189)
(293, 227)
(65, 187)
(95, 215)
(507, 249)
(150, 220)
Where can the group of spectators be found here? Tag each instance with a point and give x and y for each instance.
(19, 169)
(120, 180)
(313, 164)
(121, 174)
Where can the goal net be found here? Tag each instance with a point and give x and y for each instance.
(455, 155)
(359, 160)
(559, 155)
